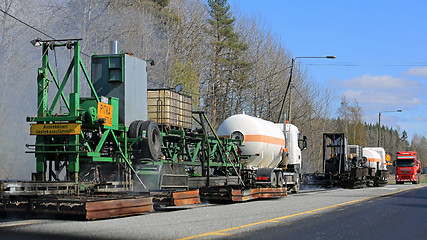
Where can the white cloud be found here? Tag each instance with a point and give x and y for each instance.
(420, 71)
(378, 97)
(387, 93)
(377, 82)
(420, 119)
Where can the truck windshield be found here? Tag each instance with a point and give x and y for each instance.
(405, 163)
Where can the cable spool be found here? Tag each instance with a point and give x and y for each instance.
(150, 144)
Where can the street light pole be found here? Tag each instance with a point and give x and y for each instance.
(379, 128)
(379, 124)
(288, 88)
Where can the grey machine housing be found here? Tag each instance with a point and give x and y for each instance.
(126, 79)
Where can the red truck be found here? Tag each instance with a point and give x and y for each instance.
(408, 167)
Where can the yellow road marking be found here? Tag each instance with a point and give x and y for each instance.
(222, 232)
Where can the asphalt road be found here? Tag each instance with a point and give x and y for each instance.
(400, 216)
(298, 216)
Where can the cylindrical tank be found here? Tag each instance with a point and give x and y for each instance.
(373, 158)
(262, 139)
(382, 154)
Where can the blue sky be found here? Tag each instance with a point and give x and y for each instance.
(380, 46)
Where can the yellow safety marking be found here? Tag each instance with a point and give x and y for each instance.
(55, 129)
(105, 111)
(18, 224)
(220, 232)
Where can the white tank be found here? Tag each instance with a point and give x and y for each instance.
(381, 152)
(373, 158)
(262, 139)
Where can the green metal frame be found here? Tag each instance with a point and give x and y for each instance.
(200, 149)
(71, 150)
(93, 145)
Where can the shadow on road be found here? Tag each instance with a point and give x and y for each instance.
(11, 234)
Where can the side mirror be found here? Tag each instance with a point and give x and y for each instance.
(304, 143)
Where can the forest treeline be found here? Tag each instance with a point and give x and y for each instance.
(228, 62)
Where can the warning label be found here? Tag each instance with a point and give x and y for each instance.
(56, 129)
(105, 111)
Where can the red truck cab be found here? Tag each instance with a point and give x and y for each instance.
(408, 167)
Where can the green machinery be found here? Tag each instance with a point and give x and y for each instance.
(85, 138)
(109, 141)
(106, 145)
(117, 151)
(192, 159)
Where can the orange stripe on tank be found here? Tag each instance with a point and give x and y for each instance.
(261, 138)
(374, 160)
(265, 139)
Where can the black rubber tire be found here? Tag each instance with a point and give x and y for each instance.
(273, 179)
(151, 144)
(296, 187)
(279, 177)
(134, 128)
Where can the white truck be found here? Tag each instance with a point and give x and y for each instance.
(270, 150)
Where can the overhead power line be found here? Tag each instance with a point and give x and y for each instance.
(26, 24)
(309, 105)
(35, 29)
(364, 64)
(47, 35)
(271, 75)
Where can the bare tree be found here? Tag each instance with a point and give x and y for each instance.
(18, 65)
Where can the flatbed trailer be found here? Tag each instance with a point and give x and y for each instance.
(124, 148)
(241, 194)
(60, 198)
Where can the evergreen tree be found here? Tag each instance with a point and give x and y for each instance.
(228, 71)
(162, 3)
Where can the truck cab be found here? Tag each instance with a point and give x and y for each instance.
(408, 167)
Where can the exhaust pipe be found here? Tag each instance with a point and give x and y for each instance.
(114, 47)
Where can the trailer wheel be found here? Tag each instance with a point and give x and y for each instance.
(295, 189)
(151, 144)
(279, 177)
(273, 179)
